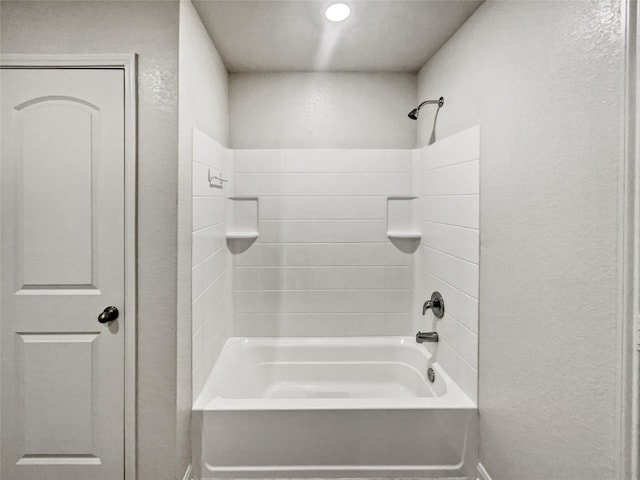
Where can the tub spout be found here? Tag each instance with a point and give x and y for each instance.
(422, 337)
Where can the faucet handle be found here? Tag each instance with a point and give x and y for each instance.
(436, 304)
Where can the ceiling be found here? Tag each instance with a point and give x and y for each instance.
(295, 36)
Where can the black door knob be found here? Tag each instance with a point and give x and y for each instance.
(109, 314)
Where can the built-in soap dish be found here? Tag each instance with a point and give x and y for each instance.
(241, 235)
(405, 235)
(242, 218)
(402, 221)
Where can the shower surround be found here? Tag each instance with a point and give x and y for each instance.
(324, 265)
(325, 291)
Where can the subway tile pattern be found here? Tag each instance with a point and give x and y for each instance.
(211, 294)
(323, 264)
(449, 255)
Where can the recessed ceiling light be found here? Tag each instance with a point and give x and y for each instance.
(337, 12)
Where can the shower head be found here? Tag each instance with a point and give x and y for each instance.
(413, 114)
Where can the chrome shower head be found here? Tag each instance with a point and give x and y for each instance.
(413, 114)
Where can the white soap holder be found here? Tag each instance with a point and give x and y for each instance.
(241, 235)
(405, 235)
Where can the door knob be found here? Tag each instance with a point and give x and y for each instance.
(109, 314)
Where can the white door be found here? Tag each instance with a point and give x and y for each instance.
(62, 253)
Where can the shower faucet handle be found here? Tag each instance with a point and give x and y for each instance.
(436, 304)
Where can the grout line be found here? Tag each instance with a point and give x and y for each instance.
(451, 165)
(208, 226)
(329, 290)
(321, 243)
(209, 287)
(325, 314)
(448, 284)
(322, 219)
(403, 267)
(338, 265)
(451, 224)
(454, 195)
(451, 195)
(207, 258)
(451, 255)
(475, 334)
(468, 364)
(332, 195)
(459, 322)
(322, 290)
(307, 313)
(207, 165)
(317, 220)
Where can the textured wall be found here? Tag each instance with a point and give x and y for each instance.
(322, 110)
(323, 264)
(151, 30)
(544, 82)
(203, 103)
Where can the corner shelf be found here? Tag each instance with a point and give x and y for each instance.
(402, 223)
(241, 235)
(242, 218)
(405, 235)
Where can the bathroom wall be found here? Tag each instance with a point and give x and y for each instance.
(322, 110)
(323, 264)
(544, 80)
(449, 253)
(149, 29)
(203, 114)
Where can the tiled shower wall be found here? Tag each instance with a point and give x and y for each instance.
(323, 264)
(212, 312)
(449, 256)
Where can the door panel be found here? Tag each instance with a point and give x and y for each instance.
(57, 195)
(57, 364)
(62, 252)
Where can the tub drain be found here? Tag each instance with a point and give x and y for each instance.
(431, 375)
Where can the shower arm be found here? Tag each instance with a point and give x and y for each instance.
(440, 103)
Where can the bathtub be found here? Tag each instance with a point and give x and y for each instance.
(331, 407)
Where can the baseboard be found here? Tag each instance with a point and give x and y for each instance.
(482, 473)
(187, 473)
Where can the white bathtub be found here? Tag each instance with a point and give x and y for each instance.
(339, 407)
